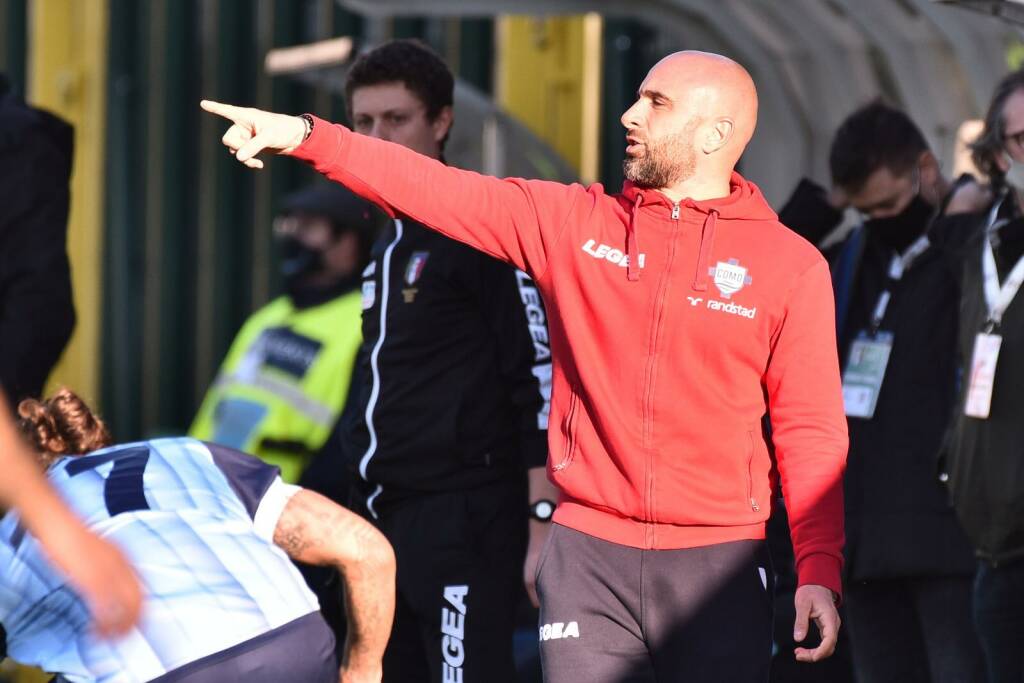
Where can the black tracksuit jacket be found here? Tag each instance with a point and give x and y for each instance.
(452, 383)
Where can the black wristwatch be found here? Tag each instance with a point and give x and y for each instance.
(542, 510)
(309, 125)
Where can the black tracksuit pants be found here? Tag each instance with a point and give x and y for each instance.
(616, 614)
(460, 564)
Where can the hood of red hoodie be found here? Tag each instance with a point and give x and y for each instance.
(744, 201)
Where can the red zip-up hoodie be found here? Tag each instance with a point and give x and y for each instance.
(674, 329)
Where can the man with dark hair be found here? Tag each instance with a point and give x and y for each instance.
(908, 562)
(449, 405)
(422, 73)
(873, 138)
(986, 470)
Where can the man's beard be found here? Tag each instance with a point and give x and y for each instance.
(665, 162)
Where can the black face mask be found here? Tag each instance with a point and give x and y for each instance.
(298, 260)
(899, 232)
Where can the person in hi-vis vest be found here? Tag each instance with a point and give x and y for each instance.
(286, 377)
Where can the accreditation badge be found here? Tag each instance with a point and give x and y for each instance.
(864, 373)
(983, 375)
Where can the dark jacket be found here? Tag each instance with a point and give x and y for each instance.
(454, 372)
(986, 457)
(36, 310)
(898, 519)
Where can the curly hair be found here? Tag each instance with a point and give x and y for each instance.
(61, 425)
(409, 62)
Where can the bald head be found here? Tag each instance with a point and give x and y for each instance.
(716, 87)
(698, 110)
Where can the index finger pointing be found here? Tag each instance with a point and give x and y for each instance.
(228, 111)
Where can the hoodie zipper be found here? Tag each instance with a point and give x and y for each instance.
(569, 430)
(649, 377)
(750, 473)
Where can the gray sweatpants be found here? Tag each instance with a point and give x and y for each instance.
(615, 614)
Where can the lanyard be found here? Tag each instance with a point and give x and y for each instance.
(900, 264)
(998, 298)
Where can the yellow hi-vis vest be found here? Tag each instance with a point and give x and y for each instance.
(284, 382)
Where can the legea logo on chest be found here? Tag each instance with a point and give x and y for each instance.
(610, 254)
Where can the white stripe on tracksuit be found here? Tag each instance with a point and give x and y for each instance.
(375, 366)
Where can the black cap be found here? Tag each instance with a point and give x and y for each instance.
(340, 205)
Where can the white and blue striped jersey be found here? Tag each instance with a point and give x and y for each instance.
(196, 521)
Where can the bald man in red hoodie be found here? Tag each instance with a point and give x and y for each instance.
(681, 314)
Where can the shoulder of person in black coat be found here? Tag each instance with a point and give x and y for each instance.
(953, 232)
(809, 213)
(36, 307)
(957, 237)
(21, 124)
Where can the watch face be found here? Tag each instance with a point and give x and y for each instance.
(543, 509)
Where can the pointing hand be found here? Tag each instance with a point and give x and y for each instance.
(253, 131)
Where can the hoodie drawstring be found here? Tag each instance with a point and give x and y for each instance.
(632, 250)
(707, 241)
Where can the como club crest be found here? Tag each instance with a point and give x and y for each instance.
(414, 268)
(730, 277)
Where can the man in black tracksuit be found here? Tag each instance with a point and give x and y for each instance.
(451, 410)
(908, 562)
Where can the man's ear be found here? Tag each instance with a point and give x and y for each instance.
(933, 185)
(930, 170)
(719, 135)
(442, 123)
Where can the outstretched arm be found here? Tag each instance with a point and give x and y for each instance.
(314, 530)
(106, 581)
(515, 220)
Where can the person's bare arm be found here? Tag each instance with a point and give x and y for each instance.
(105, 580)
(314, 530)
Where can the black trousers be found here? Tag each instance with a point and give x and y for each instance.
(460, 563)
(616, 614)
(999, 618)
(913, 631)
